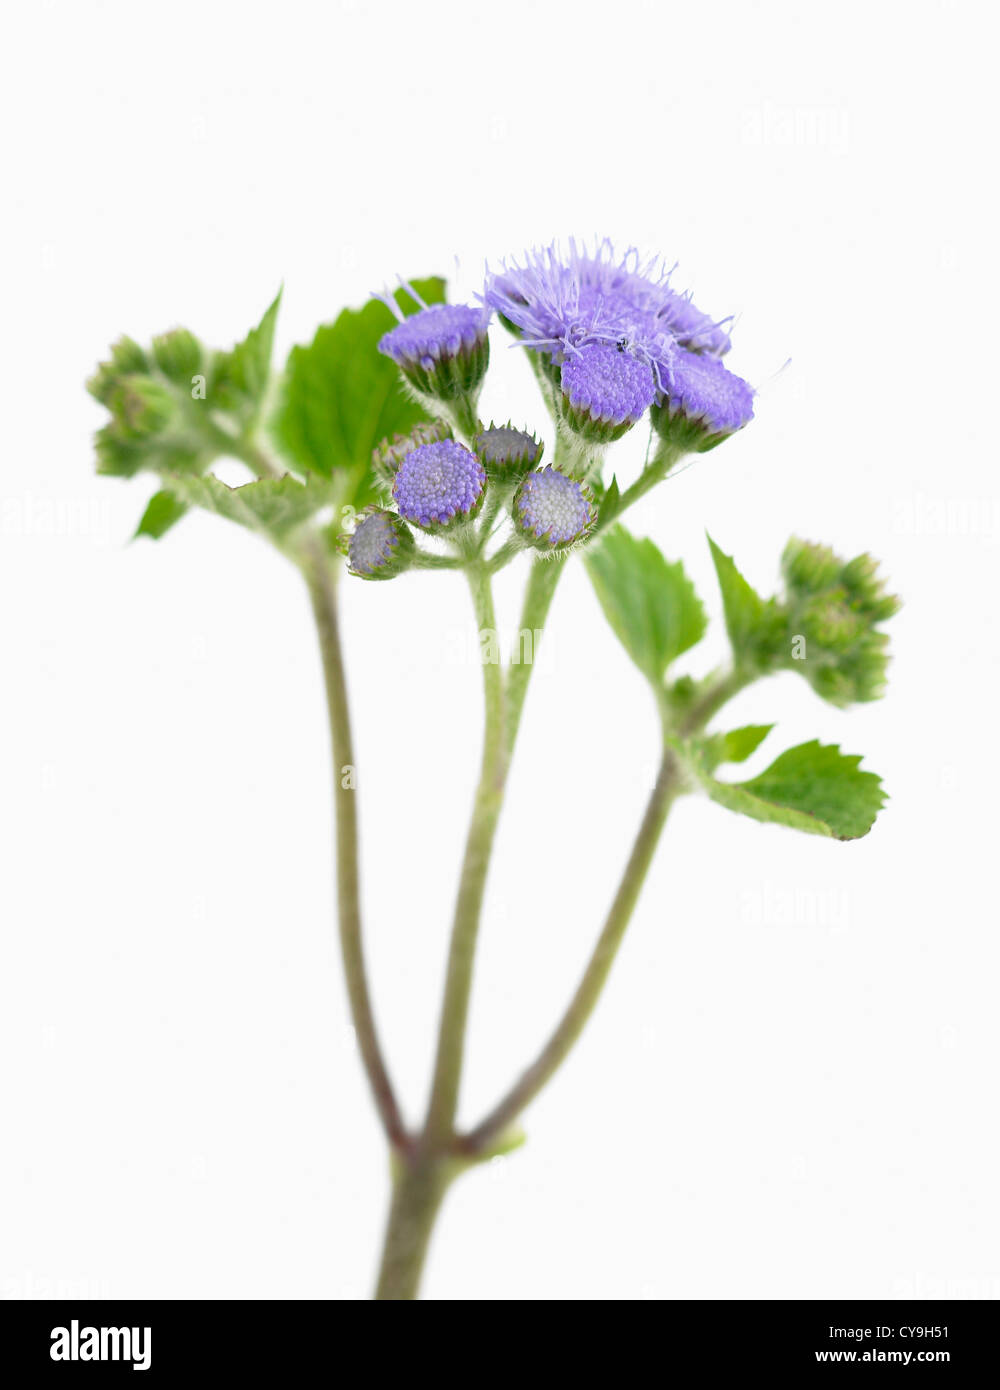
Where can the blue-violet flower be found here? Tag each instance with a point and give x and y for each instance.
(702, 403)
(552, 511)
(438, 484)
(443, 351)
(380, 545)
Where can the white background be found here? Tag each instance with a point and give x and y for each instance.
(790, 1087)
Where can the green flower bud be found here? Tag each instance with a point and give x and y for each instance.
(141, 406)
(387, 456)
(178, 355)
(126, 358)
(832, 609)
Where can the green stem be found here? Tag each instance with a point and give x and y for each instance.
(669, 784)
(418, 1190)
(655, 471)
(472, 883)
(321, 577)
(424, 1175)
(717, 691)
(538, 595)
(589, 990)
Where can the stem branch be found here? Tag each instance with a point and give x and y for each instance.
(322, 581)
(582, 1005)
(472, 884)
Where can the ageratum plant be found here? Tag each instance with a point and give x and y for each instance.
(377, 426)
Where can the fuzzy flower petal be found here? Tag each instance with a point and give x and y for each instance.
(704, 392)
(559, 302)
(443, 330)
(608, 384)
(436, 483)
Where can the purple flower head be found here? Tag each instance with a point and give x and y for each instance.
(606, 386)
(561, 302)
(507, 452)
(443, 350)
(380, 545)
(443, 330)
(439, 483)
(552, 510)
(703, 393)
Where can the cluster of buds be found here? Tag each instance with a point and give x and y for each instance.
(610, 340)
(833, 611)
(141, 405)
(438, 486)
(145, 395)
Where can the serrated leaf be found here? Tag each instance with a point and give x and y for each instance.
(650, 603)
(812, 787)
(273, 507)
(244, 371)
(163, 511)
(341, 397)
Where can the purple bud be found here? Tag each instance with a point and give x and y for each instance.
(443, 351)
(551, 510)
(380, 545)
(437, 484)
(605, 391)
(507, 452)
(700, 393)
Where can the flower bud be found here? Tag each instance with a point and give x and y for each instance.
(604, 391)
(141, 406)
(506, 452)
(701, 403)
(387, 456)
(439, 485)
(443, 351)
(178, 355)
(379, 547)
(127, 358)
(552, 511)
(833, 609)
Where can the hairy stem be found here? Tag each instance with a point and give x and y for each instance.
(472, 883)
(538, 595)
(321, 577)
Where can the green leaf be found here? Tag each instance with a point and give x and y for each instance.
(738, 744)
(609, 504)
(273, 507)
(341, 397)
(165, 509)
(241, 375)
(649, 602)
(742, 605)
(812, 787)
